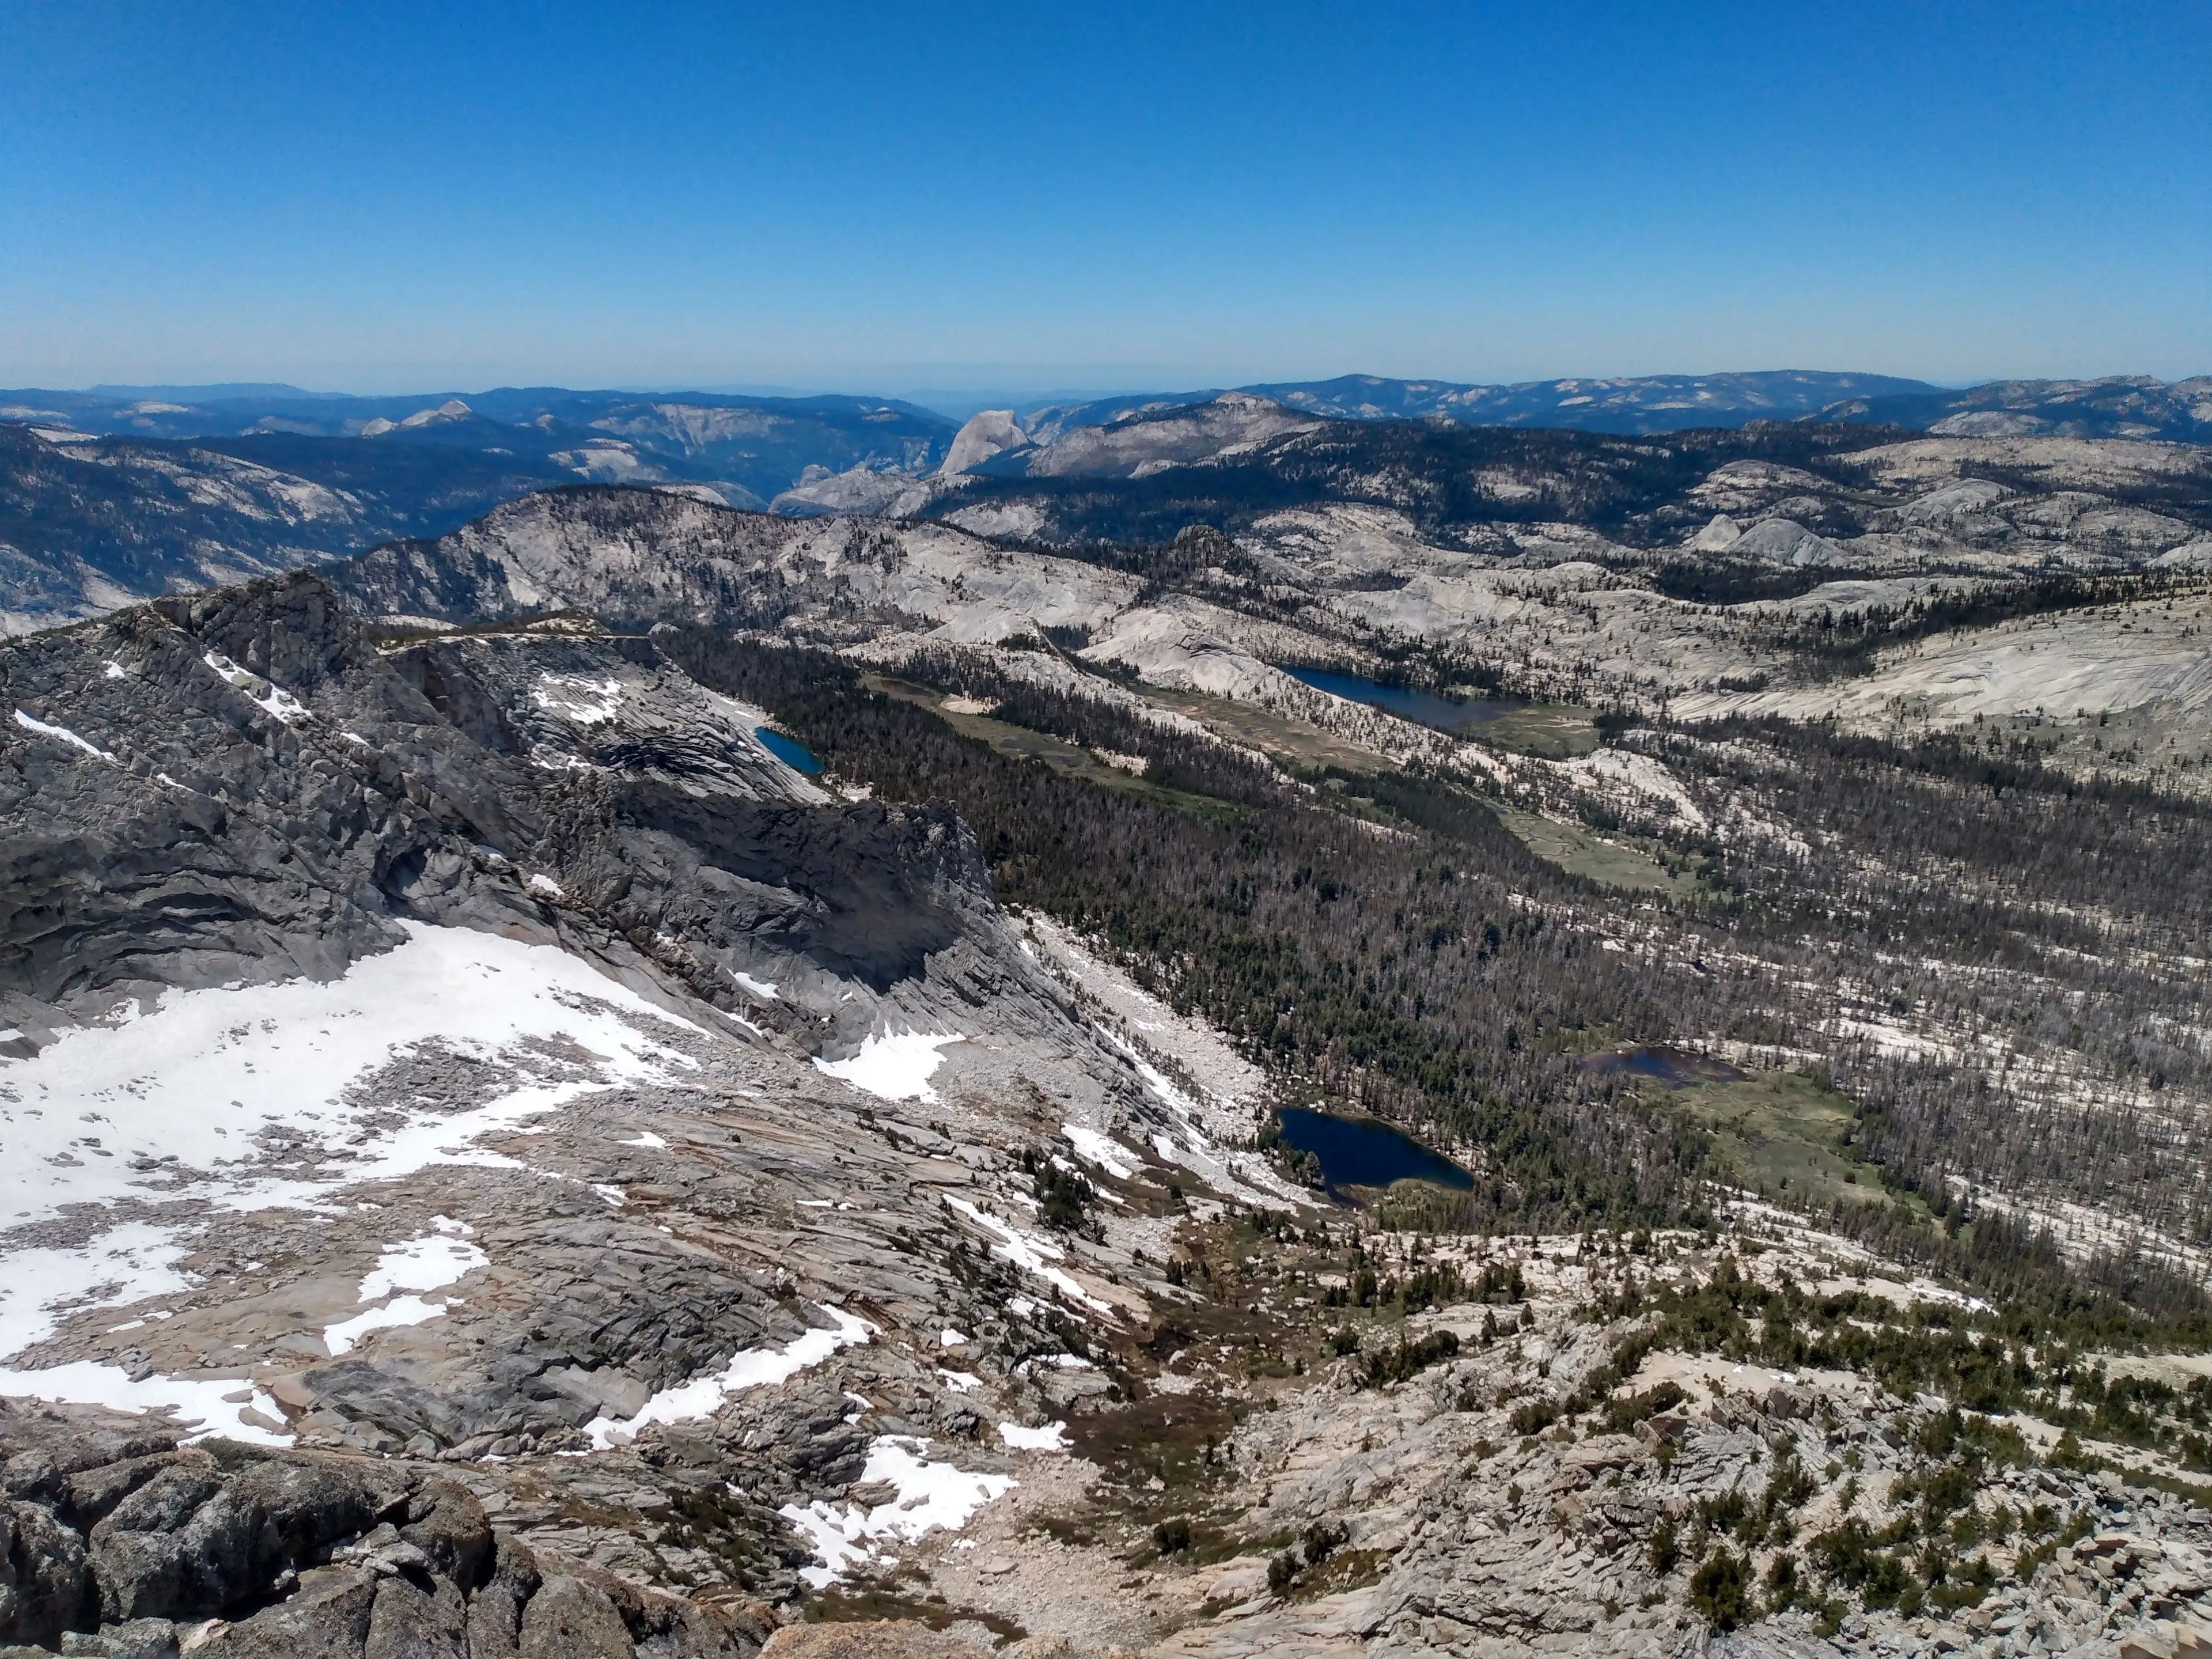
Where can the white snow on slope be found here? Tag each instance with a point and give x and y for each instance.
(751, 1368)
(1053, 1437)
(586, 701)
(272, 698)
(896, 1066)
(63, 734)
(1138, 1025)
(197, 1403)
(1029, 1252)
(428, 1263)
(204, 1073)
(172, 1103)
(342, 1337)
(930, 1496)
(128, 1263)
(1094, 1148)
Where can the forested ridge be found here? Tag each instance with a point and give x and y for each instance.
(1418, 978)
(1379, 941)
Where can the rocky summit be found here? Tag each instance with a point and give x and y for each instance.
(637, 1078)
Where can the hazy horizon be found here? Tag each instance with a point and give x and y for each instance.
(956, 402)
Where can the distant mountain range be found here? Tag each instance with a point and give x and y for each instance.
(760, 447)
(745, 450)
(2118, 406)
(123, 492)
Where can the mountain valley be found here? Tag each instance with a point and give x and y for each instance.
(588, 1068)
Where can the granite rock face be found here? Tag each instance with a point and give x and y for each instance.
(498, 1086)
(120, 1551)
(244, 786)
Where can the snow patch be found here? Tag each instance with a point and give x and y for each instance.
(930, 1496)
(197, 1402)
(63, 734)
(1053, 1437)
(1030, 1253)
(428, 1263)
(185, 1091)
(1094, 1148)
(750, 1368)
(43, 1285)
(586, 701)
(896, 1066)
(341, 1338)
(270, 697)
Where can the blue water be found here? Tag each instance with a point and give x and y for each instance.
(791, 752)
(1672, 1068)
(1362, 1152)
(1423, 707)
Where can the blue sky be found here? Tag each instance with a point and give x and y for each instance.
(405, 197)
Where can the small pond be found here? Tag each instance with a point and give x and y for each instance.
(791, 752)
(1360, 1151)
(1452, 714)
(1672, 1068)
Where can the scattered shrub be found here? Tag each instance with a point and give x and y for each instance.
(1721, 1590)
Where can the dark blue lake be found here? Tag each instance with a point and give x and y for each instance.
(1358, 1152)
(1673, 1068)
(1453, 714)
(791, 752)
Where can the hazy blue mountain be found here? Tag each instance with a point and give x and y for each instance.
(749, 449)
(1654, 403)
(2116, 406)
(87, 524)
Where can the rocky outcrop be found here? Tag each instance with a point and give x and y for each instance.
(646, 1212)
(245, 787)
(623, 555)
(123, 1541)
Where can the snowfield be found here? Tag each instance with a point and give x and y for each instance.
(204, 1098)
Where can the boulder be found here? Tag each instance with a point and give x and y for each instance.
(326, 1618)
(570, 1619)
(448, 1524)
(43, 1584)
(414, 1619)
(186, 1543)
